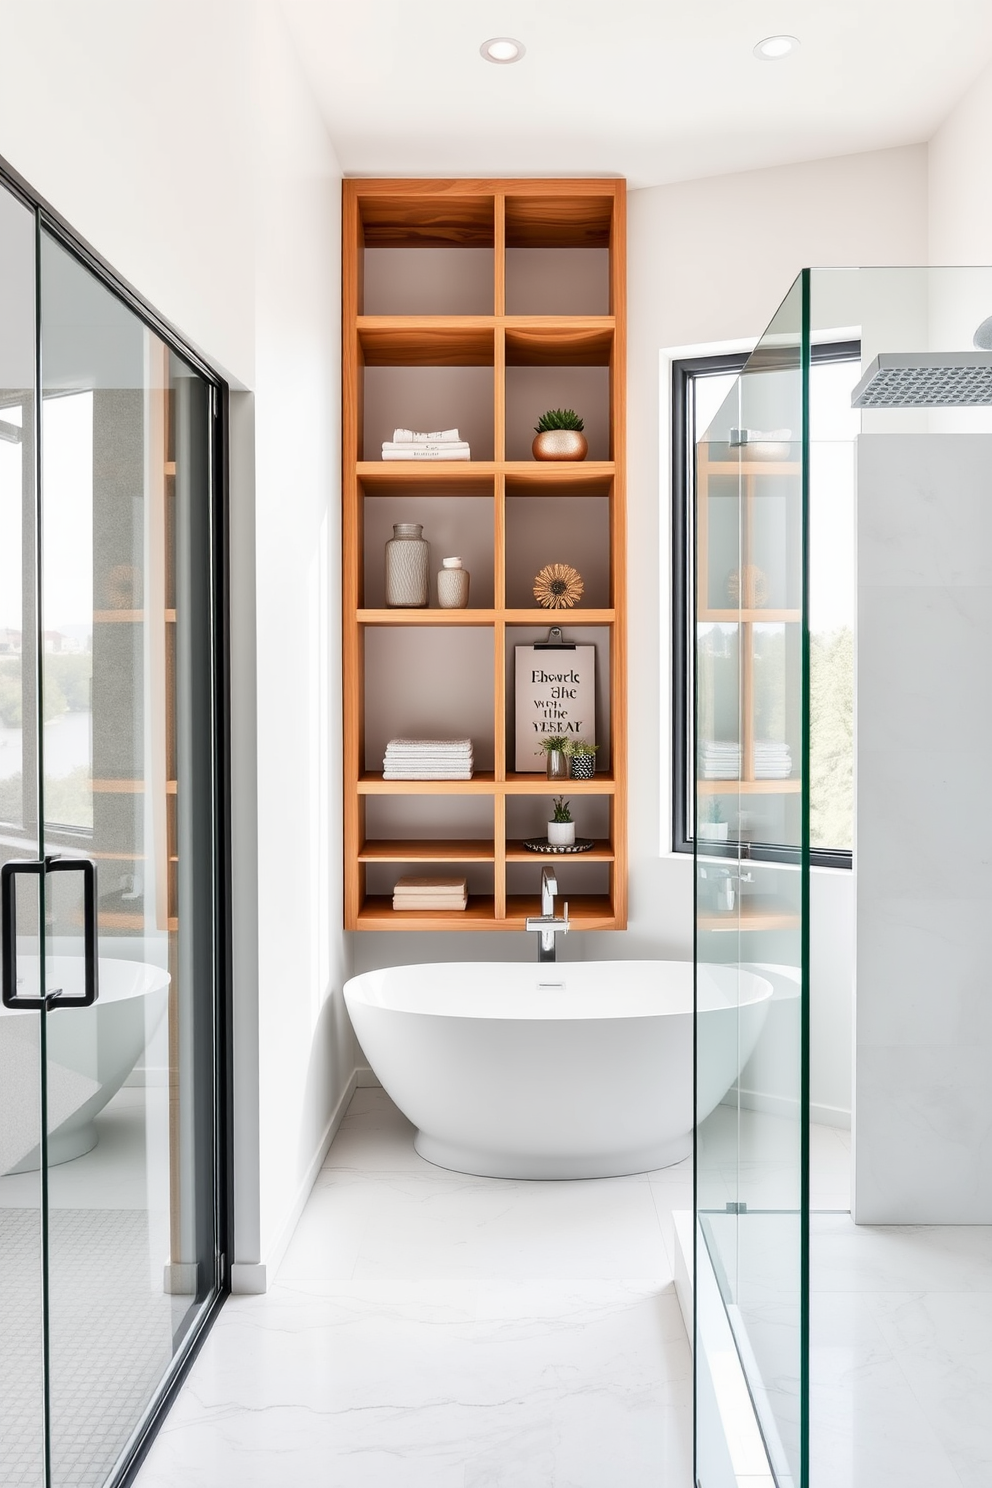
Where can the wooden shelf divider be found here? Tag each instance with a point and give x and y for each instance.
(500, 214)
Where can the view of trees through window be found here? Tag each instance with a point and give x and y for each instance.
(833, 426)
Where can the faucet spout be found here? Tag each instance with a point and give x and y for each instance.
(547, 924)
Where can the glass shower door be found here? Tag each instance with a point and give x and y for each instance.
(127, 750)
(752, 867)
(110, 1229)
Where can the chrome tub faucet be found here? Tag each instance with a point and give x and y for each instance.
(546, 924)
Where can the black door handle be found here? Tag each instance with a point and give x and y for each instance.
(8, 932)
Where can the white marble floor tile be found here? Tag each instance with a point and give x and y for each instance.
(899, 1258)
(943, 1342)
(431, 1330)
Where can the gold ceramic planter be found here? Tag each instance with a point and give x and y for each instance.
(560, 444)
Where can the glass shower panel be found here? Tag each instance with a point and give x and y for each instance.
(127, 751)
(752, 885)
(22, 1403)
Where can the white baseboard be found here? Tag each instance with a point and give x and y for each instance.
(366, 1078)
(249, 1278)
(781, 1105)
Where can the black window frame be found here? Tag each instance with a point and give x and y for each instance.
(685, 370)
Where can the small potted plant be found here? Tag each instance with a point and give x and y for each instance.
(557, 751)
(583, 760)
(559, 436)
(561, 827)
(713, 827)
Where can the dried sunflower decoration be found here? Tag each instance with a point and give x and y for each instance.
(558, 587)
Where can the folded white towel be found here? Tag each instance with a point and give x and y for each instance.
(435, 883)
(440, 436)
(427, 774)
(428, 746)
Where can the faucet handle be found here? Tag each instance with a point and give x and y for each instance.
(564, 930)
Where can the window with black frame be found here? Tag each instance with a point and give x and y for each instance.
(699, 387)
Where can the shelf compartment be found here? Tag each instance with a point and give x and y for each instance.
(451, 850)
(543, 219)
(377, 913)
(427, 341)
(426, 617)
(531, 390)
(371, 783)
(520, 784)
(429, 397)
(585, 911)
(429, 682)
(424, 214)
(601, 853)
(557, 281)
(541, 530)
(559, 478)
(540, 341)
(465, 527)
(433, 281)
(537, 616)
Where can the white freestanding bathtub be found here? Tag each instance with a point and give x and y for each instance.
(91, 1052)
(553, 1070)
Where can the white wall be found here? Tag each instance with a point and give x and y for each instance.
(960, 201)
(204, 174)
(924, 1036)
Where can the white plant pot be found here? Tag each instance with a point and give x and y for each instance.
(714, 831)
(561, 834)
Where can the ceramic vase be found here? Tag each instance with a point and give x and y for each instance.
(583, 766)
(561, 834)
(560, 444)
(407, 565)
(452, 585)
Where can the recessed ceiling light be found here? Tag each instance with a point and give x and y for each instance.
(774, 48)
(502, 49)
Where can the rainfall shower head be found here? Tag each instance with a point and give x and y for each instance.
(955, 379)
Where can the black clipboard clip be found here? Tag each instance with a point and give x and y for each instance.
(555, 642)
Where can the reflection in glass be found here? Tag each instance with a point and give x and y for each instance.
(750, 731)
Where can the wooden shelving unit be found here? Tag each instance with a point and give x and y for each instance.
(498, 216)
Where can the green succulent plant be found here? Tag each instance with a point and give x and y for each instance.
(581, 747)
(554, 744)
(558, 418)
(561, 812)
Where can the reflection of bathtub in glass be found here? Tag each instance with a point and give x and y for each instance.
(91, 1052)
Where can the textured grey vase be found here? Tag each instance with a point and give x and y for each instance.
(452, 585)
(407, 568)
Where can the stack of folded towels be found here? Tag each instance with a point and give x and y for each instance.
(719, 759)
(406, 444)
(772, 761)
(411, 892)
(428, 759)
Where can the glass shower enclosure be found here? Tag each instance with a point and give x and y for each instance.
(800, 1295)
(111, 1221)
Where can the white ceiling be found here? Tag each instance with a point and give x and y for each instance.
(654, 90)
